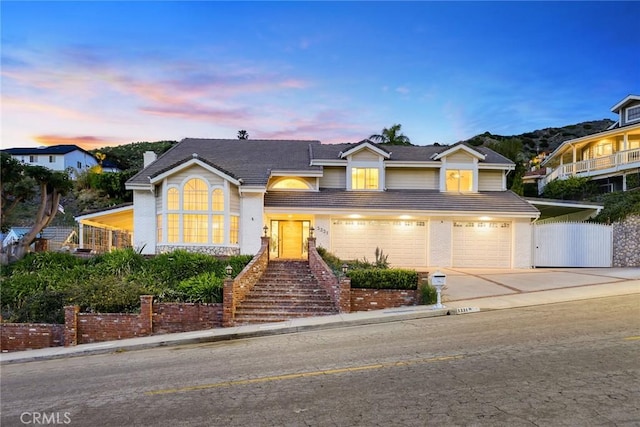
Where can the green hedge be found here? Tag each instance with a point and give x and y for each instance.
(392, 278)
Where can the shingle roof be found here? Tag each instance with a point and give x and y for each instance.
(250, 160)
(253, 160)
(403, 200)
(53, 149)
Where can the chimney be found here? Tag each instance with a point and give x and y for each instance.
(148, 158)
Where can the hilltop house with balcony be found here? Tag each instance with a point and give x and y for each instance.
(610, 158)
(422, 205)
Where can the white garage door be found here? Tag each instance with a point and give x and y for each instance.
(481, 244)
(405, 242)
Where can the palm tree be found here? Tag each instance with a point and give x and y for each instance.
(243, 134)
(391, 136)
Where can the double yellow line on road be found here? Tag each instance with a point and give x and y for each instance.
(302, 375)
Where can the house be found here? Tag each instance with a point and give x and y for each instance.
(55, 157)
(610, 158)
(422, 205)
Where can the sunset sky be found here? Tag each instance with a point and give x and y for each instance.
(105, 73)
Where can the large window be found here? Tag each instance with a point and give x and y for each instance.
(195, 214)
(364, 179)
(290, 184)
(459, 180)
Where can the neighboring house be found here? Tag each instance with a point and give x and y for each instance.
(55, 157)
(110, 166)
(609, 158)
(422, 205)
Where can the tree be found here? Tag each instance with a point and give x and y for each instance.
(391, 136)
(511, 148)
(21, 181)
(243, 134)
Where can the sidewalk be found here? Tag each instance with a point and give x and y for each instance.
(467, 290)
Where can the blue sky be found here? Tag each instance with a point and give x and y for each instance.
(108, 73)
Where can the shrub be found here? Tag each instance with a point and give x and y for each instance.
(384, 279)
(428, 294)
(205, 287)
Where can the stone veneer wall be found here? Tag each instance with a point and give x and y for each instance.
(208, 250)
(626, 242)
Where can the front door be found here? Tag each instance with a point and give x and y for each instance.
(291, 243)
(288, 239)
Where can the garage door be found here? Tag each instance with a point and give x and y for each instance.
(481, 244)
(405, 242)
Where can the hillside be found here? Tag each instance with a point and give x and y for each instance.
(547, 139)
(129, 156)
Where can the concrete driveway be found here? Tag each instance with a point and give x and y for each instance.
(474, 284)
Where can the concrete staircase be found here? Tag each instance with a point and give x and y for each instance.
(286, 290)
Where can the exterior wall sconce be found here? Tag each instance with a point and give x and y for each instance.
(345, 268)
(311, 230)
(265, 229)
(228, 269)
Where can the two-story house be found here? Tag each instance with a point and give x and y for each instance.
(609, 158)
(422, 205)
(55, 157)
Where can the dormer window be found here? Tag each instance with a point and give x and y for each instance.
(459, 180)
(365, 179)
(633, 114)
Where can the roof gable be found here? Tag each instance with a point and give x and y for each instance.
(189, 162)
(365, 145)
(459, 147)
(630, 98)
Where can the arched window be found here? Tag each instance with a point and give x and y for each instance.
(217, 198)
(195, 195)
(290, 184)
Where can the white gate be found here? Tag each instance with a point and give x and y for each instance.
(572, 244)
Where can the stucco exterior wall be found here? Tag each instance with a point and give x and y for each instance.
(322, 225)
(251, 222)
(144, 221)
(440, 241)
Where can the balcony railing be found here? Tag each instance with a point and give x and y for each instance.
(614, 162)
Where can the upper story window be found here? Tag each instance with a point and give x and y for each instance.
(365, 179)
(459, 180)
(33, 159)
(217, 198)
(633, 114)
(195, 195)
(173, 199)
(52, 159)
(79, 165)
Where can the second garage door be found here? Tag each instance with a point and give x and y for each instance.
(405, 242)
(481, 244)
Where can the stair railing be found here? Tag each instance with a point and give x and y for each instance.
(236, 290)
(339, 289)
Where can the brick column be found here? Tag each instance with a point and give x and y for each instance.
(146, 314)
(228, 307)
(344, 293)
(71, 325)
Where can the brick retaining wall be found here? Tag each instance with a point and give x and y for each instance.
(30, 336)
(178, 317)
(377, 299)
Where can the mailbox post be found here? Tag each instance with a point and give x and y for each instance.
(438, 280)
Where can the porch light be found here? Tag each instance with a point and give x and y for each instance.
(228, 269)
(265, 229)
(345, 268)
(311, 230)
